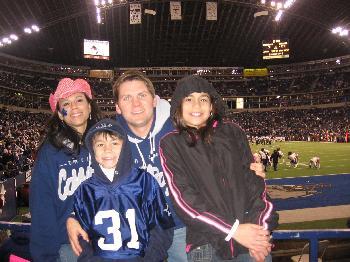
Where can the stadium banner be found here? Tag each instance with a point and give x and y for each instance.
(253, 72)
(96, 49)
(212, 11)
(135, 14)
(101, 74)
(8, 199)
(175, 10)
(239, 103)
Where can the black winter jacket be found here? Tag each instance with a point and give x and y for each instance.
(212, 186)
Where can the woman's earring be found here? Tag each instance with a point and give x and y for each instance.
(90, 116)
(211, 113)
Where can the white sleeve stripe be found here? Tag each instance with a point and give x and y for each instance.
(232, 231)
(267, 211)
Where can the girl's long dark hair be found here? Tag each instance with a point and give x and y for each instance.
(61, 135)
(204, 133)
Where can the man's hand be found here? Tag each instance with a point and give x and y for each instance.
(253, 237)
(74, 231)
(258, 256)
(258, 168)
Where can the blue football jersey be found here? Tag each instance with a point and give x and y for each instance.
(118, 216)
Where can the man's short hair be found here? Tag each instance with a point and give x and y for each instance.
(130, 76)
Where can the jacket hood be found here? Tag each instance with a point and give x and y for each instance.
(191, 84)
(124, 164)
(161, 115)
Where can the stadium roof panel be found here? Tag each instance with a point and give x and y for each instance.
(235, 39)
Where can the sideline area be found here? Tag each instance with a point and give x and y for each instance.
(312, 214)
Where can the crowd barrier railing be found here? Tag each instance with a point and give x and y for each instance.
(312, 235)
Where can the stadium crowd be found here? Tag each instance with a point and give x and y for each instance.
(19, 137)
(263, 86)
(20, 130)
(318, 124)
(24, 86)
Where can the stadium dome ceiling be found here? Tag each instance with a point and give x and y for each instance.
(235, 39)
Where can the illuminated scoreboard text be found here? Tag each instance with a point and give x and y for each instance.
(275, 49)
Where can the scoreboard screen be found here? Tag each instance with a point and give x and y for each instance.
(277, 48)
(96, 49)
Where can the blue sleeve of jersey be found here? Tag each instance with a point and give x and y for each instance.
(79, 208)
(159, 209)
(44, 243)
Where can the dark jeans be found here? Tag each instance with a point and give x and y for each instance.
(206, 253)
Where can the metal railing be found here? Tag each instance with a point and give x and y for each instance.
(312, 235)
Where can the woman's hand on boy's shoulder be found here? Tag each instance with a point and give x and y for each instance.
(74, 230)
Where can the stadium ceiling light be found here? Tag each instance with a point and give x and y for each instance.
(273, 3)
(14, 37)
(6, 40)
(288, 3)
(336, 30)
(97, 2)
(345, 32)
(340, 31)
(35, 28)
(279, 5)
(110, 2)
(263, 2)
(278, 15)
(27, 30)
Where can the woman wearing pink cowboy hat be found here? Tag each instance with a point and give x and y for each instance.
(62, 163)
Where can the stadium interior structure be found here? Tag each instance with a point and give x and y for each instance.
(303, 98)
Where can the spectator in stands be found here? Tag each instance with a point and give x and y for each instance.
(19, 135)
(126, 194)
(62, 163)
(146, 119)
(206, 163)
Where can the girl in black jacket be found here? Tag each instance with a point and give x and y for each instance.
(206, 163)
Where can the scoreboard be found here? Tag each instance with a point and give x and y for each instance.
(96, 49)
(277, 48)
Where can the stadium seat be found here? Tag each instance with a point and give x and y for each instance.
(304, 256)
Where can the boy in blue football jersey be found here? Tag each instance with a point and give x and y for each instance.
(119, 205)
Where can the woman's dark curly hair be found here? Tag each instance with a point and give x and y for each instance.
(58, 133)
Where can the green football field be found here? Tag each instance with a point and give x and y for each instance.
(334, 158)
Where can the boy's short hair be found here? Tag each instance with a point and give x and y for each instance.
(130, 76)
(105, 133)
